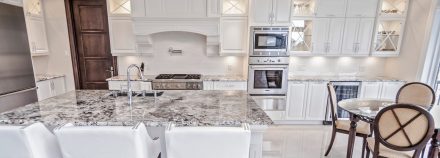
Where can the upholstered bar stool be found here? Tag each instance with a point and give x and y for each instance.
(416, 93)
(208, 142)
(401, 130)
(34, 141)
(107, 142)
(343, 126)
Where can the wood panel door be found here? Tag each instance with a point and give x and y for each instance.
(91, 34)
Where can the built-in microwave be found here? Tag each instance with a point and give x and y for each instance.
(269, 41)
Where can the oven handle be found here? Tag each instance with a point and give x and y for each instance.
(269, 66)
(262, 32)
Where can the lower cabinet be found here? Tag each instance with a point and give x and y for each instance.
(380, 90)
(51, 88)
(224, 85)
(306, 100)
(135, 85)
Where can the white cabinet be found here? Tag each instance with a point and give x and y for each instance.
(270, 12)
(230, 7)
(296, 100)
(390, 89)
(317, 101)
(121, 34)
(327, 36)
(380, 90)
(233, 35)
(371, 90)
(36, 27)
(358, 36)
(50, 88)
(224, 85)
(170, 8)
(331, 8)
(306, 101)
(44, 90)
(136, 86)
(362, 8)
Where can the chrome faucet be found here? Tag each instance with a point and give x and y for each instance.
(130, 91)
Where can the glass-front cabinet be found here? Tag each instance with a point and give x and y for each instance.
(301, 37)
(303, 8)
(234, 8)
(119, 7)
(388, 37)
(393, 8)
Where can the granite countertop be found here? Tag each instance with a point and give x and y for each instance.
(147, 78)
(184, 108)
(223, 78)
(342, 78)
(150, 78)
(44, 77)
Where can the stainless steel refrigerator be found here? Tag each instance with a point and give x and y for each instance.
(17, 80)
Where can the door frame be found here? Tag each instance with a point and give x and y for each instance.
(74, 46)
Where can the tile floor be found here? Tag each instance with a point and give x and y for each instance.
(305, 141)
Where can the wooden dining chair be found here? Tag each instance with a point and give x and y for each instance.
(343, 126)
(416, 93)
(401, 130)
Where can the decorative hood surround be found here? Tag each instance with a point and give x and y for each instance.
(144, 27)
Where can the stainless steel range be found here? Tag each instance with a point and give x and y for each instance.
(178, 82)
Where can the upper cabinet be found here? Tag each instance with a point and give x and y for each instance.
(119, 7)
(122, 39)
(36, 27)
(270, 12)
(172, 8)
(362, 8)
(303, 8)
(331, 8)
(233, 7)
(357, 36)
(233, 36)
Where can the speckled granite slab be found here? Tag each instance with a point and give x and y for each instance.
(184, 108)
(147, 78)
(44, 77)
(343, 78)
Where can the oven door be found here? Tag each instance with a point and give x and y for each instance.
(270, 41)
(268, 79)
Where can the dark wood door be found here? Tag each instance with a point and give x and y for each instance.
(94, 59)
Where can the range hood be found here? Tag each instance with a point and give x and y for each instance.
(143, 28)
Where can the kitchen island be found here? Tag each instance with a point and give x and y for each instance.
(182, 108)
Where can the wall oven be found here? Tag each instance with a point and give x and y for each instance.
(269, 41)
(268, 75)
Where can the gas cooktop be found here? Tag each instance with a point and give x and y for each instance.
(179, 76)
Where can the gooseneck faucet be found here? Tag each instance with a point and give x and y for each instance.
(130, 91)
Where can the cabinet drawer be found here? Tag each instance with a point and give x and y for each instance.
(135, 85)
(234, 85)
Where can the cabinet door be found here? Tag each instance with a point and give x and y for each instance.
(320, 35)
(350, 35)
(262, 12)
(296, 100)
(37, 35)
(362, 8)
(281, 11)
(121, 35)
(58, 86)
(336, 34)
(331, 8)
(316, 101)
(44, 90)
(233, 35)
(390, 89)
(230, 85)
(208, 85)
(138, 8)
(365, 35)
(371, 90)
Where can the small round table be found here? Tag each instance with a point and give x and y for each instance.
(367, 109)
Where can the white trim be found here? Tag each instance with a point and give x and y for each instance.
(432, 59)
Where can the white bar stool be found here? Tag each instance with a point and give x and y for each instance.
(208, 142)
(107, 142)
(34, 141)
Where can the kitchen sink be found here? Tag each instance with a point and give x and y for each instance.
(135, 94)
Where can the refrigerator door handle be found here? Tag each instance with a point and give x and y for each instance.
(25, 90)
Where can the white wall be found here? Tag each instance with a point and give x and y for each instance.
(409, 64)
(193, 60)
(360, 66)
